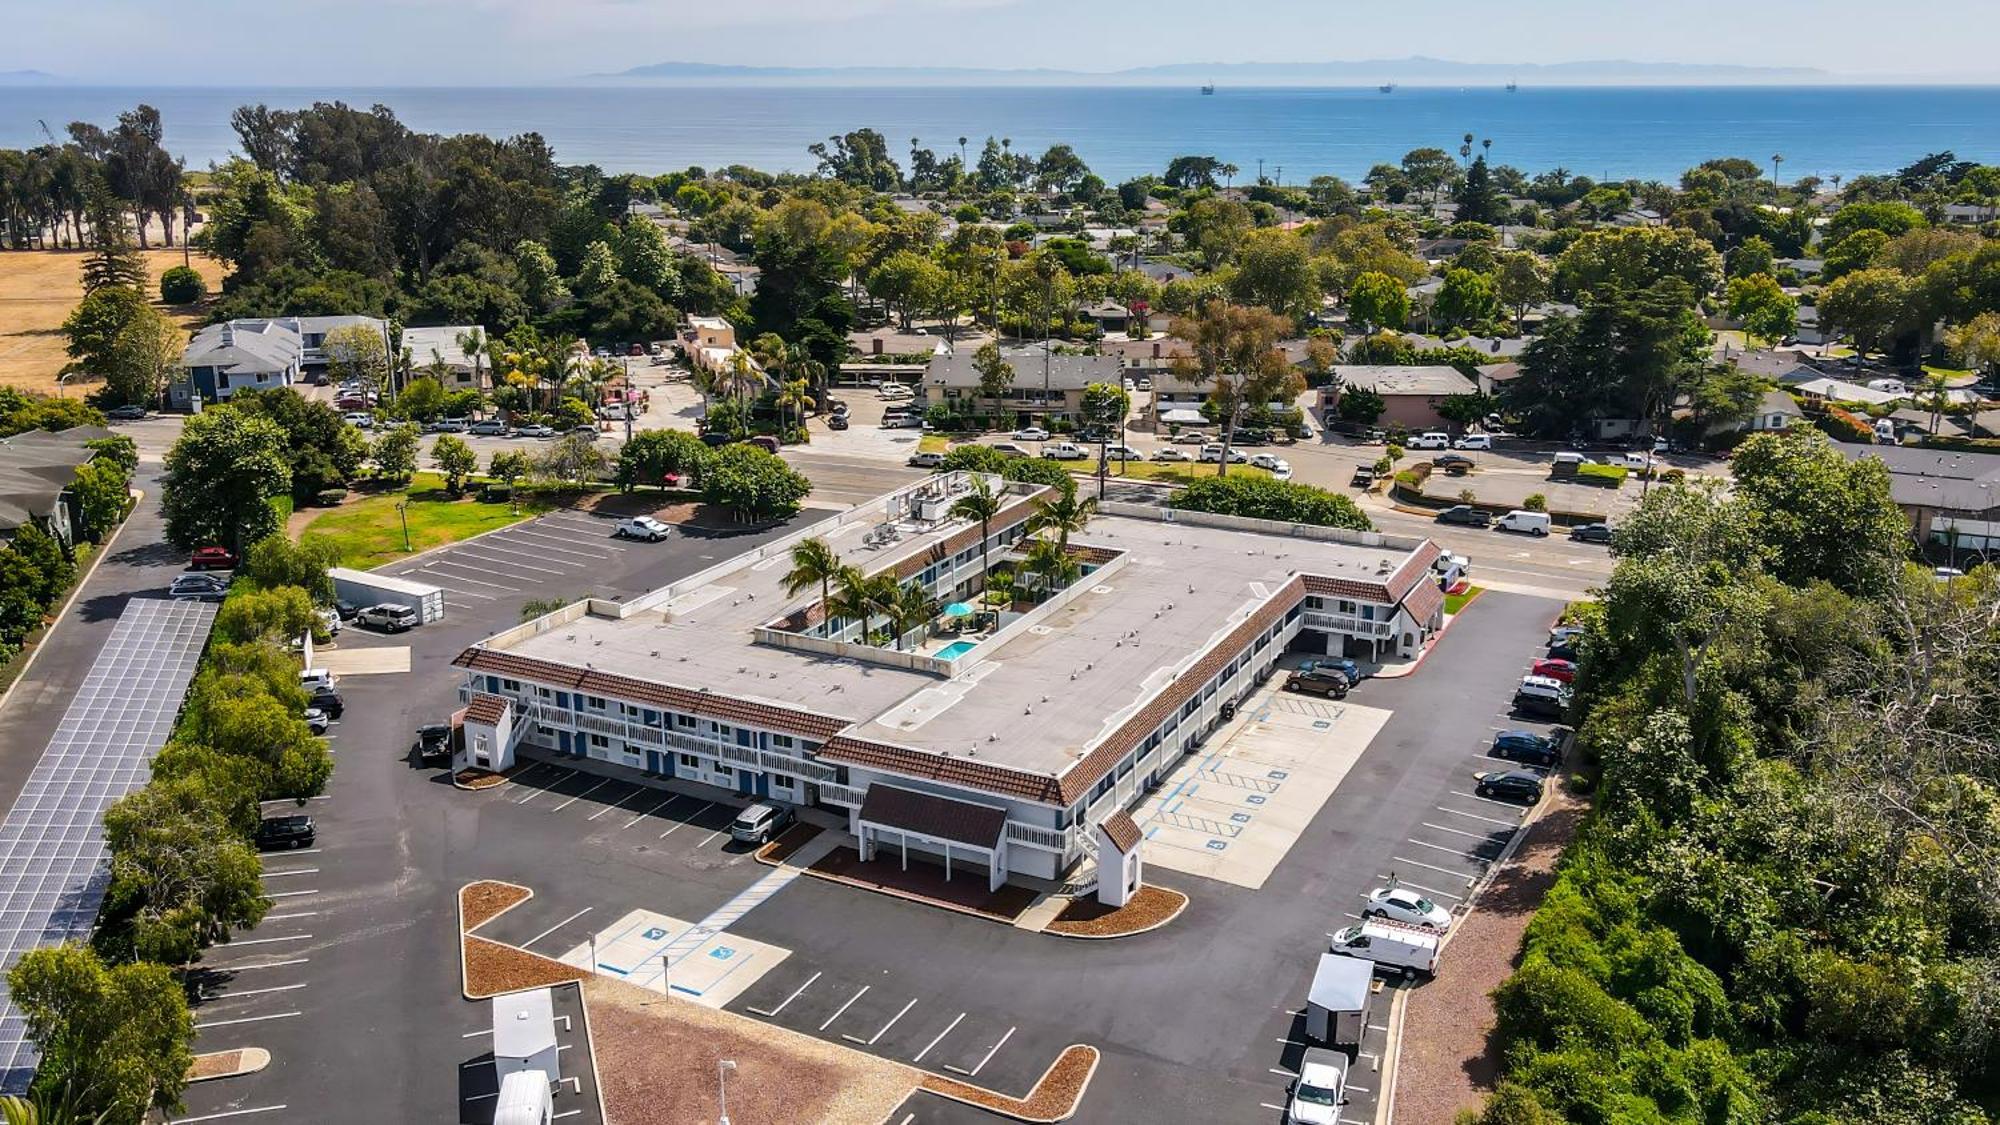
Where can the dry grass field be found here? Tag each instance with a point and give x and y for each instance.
(38, 288)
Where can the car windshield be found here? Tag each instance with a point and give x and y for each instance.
(1316, 1095)
(1425, 905)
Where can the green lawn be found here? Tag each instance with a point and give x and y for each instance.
(369, 531)
(1455, 602)
(1175, 471)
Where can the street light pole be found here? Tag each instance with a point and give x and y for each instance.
(403, 510)
(722, 1069)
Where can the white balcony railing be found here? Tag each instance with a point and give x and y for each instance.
(1054, 839)
(1348, 623)
(840, 795)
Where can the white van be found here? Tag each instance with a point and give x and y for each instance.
(1525, 522)
(1391, 945)
(524, 1099)
(1885, 431)
(1571, 459)
(1435, 439)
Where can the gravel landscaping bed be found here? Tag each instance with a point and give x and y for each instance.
(787, 844)
(1447, 1061)
(1151, 908)
(655, 1055)
(925, 882)
(215, 1065)
(1054, 1098)
(481, 902)
(492, 968)
(475, 778)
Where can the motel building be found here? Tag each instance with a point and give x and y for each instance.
(1006, 737)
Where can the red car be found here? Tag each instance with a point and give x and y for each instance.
(212, 558)
(1562, 670)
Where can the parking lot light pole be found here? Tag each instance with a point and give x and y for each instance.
(403, 510)
(722, 1069)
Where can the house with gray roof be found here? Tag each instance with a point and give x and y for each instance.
(1047, 385)
(1952, 498)
(238, 355)
(1410, 395)
(36, 471)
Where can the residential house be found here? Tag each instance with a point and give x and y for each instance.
(1973, 213)
(1775, 411)
(1410, 395)
(434, 347)
(36, 471)
(1047, 386)
(237, 355)
(1952, 499)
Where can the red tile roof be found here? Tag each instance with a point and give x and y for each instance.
(1415, 569)
(1346, 587)
(1006, 517)
(1424, 600)
(487, 709)
(928, 814)
(931, 766)
(1124, 834)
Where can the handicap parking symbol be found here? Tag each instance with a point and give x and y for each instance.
(722, 953)
(1321, 724)
(1217, 845)
(655, 934)
(1278, 775)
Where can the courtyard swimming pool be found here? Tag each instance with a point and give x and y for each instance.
(956, 649)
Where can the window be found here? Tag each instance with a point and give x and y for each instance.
(510, 685)
(781, 742)
(721, 770)
(684, 721)
(781, 783)
(690, 761)
(599, 742)
(594, 702)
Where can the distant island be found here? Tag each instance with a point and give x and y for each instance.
(1416, 70)
(29, 78)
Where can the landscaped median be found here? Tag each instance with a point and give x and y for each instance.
(1054, 1098)
(1149, 909)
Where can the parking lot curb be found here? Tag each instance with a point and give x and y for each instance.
(1392, 1061)
(1001, 1104)
(905, 896)
(75, 591)
(596, 1080)
(250, 1060)
(1146, 929)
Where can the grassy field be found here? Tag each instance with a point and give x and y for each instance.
(38, 288)
(369, 531)
(1177, 472)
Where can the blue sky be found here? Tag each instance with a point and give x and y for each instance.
(432, 42)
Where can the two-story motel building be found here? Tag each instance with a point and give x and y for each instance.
(1001, 752)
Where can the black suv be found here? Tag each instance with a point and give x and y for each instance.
(1514, 785)
(1467, 515)
(275, 832)
(1591, 533)
(327, 699)
(1328, 681)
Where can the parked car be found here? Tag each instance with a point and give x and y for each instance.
(1320, 1090)
(1540, 695)
(1571, 459)
(1467, 515)
(1212, 454)
(329, 619)
(359, 419)
(1561, 671)
(198, 588)
(1401, 904)
(1364, 475)
(130, 412)
(1190, 437)
(909, 421)
(489, 427)
(1009, 449)
(1064, 451)
(317, 720)
(836, 421)
(1452, 463)
(1565, 650)
(312, 679)
(587, 433)
(433, 742)
(762, 821)
(327, 698)
(1030, 433)
(926, 460)
(1473, 441)
(895, 391)
(642, 527)
(1404, 949)
(274, 832)
(1591, 533)
(212, 558)
(1560, 633)
(1122, 453)
(1450, 562)
(1525, 522)
(536, 430)
(1145, 384)
(1251, 437)
(1509, 785)
(388, 616)
(1331, 683)
(1339, 664)
(1271, 462)
(1526, 747)
(1169, 453)
(1434, 439)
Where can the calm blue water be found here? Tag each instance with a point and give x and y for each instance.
(956, 649)
(1649, 133)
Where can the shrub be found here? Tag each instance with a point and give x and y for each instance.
(182, 286)
(1840, 425)
(329, 497)
(1536, 502)
(1266, 499)
(497, 493)
(1674, 476)
(1610, 476)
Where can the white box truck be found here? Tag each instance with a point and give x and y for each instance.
(363, 588)
(1390, 945)
(524, 1099)
(1337, 1004)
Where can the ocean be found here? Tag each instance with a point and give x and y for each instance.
(1297, 133)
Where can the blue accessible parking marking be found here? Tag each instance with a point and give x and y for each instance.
(1254, 799)
(1217, 845)
(1240, 817)
(655, 934)
(1279, 775)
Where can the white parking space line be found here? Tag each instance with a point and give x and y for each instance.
(290, 917)
(844, 1007)
(265, 965)
(505, 564)
(1460, 831)
(538, 792)
(272, 940)
(1488, 800)
(582, 795)
(283, 894)
(1283, 1071)
(1426, 890)
(557, 926)
(614, 805)
(690, 819)
(712, 835)
(548, 543)
(255, 991)
(1476, 816)
(474, 581)
(247, 1019)
(570, 541)
(788, 999)
(539, 554)
(1268, 1105)
(870, 1041)
(650, 812)
(989, 1056)
(225, 1113)
(1450, 851)
(1466, 875)
(466, 594)
(940, 1038)
(484, 1031)
(282, 874)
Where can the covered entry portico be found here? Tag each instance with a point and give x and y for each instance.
(905, 820)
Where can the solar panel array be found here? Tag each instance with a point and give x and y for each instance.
(53, 866)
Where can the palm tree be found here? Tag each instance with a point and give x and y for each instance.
(793, 394)
(814, 562)
(739, 376)
(981, 504)
(1049, 560)
(1066, 513)
(884, 595)
(474, 344)
(915, 607)
(852, 601)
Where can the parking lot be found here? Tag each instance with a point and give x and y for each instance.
(557, 555)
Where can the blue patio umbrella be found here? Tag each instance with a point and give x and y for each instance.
(959, 609)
